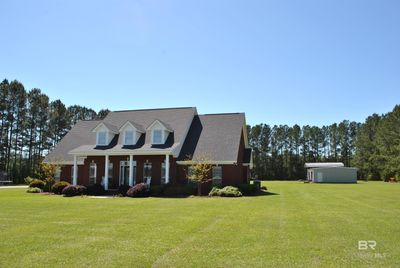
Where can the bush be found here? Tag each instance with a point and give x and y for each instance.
(227, 191)
(157, 190)
(48, 183)
(70, 190)
(35, 183)
(122, 189)
(59, 186)
(139, 190)
(248, 189)
(28, 180)
(179, 190)
(82, 190)
(96, 189)
(34, 190)
(214, 191)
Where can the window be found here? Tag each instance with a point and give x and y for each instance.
(110, 171)
(157, 136)
(102, 138)
(147, 170)
(163, 173)
(190, 172)
(217, 175)
(128, 137)
(57, 174)
(92, 173)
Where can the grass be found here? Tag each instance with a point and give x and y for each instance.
(306, 225)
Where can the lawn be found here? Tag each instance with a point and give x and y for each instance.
(299, 224)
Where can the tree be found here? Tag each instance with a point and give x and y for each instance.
(102, 114)
(199, 172)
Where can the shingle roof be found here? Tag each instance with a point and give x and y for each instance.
(137, 126)
(326, 164)
(214, 136)
(111, 127)
(179, 119)
(80, 134)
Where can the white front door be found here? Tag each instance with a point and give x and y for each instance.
(124, 173)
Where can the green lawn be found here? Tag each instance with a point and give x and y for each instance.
(300, 224)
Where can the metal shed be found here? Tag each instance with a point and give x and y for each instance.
(330, 173)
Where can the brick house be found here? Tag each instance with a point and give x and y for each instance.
(155, 146)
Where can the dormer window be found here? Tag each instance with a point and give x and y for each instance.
(105, 132)
(130, 133)
(128, 137)
(102, 138)
(157, 136)
(159, 132)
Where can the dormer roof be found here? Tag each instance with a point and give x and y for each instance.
(113, 129)
(136, 126)
(165, 125)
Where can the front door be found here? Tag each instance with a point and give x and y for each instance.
(124, 173)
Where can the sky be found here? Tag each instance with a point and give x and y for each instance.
(280, 62)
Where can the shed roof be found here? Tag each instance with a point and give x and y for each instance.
(325, 164)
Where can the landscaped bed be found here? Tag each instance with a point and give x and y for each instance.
(296, 223)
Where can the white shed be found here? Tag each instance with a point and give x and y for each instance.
(331, 173)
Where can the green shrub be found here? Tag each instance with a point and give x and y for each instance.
(34, 190)
(28, 180)
(37, 183)
(179, 190)
(227, 191)
(214, 191)
(59, 186)
(157, 190)
(48, 183)
(248, 189)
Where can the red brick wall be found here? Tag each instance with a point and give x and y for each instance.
(83, 170)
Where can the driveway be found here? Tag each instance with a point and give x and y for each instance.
(13, 186)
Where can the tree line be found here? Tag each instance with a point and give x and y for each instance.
(280, 152)
(31, 125)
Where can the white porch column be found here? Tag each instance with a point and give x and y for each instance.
(166, 168)
(75, 175)
(130, 170)
(106, 173)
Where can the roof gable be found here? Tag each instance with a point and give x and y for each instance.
(108, 126)
(216, 136)
(159, 122)
(133, 125)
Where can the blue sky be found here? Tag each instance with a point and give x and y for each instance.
(281, 62)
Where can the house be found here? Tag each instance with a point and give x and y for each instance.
(330, 173)
(155, 146)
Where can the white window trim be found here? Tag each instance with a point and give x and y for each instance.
(133, 136)
(95, 171)
(162, 136)
(214, 177)
(98, 139)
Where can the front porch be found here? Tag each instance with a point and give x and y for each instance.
(114, 170)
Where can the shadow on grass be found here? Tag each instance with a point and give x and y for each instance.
(261, 193)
